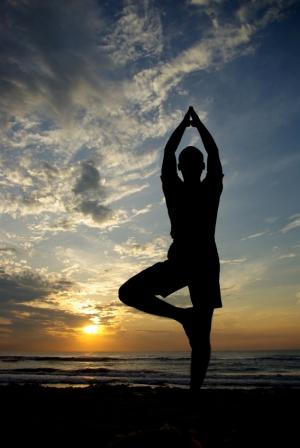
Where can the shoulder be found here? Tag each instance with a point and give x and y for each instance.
(171, 183)
(171, 180)
(214, 180)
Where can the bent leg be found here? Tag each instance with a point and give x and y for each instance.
(139, 291)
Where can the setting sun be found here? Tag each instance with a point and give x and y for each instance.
(91, 329)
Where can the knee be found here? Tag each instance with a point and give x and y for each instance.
(127, 293)
(123, 293)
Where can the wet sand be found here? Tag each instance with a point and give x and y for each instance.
(131, 417)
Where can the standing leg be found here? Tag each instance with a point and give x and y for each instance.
(197, 326)
(205, 296)
(201, 348)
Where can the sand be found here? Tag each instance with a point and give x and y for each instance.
(122, 416)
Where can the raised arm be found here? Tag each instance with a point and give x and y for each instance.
(169, 165)
(214, 165)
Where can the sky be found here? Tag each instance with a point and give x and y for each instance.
(90, 92)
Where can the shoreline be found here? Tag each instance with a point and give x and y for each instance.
(134, 416)
(207, 388)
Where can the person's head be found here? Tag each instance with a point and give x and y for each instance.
(191, 163)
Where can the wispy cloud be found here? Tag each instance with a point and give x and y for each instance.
(264, 11)
(233, 260)
(60, 70)
(150, 87)
(253, 235)
(293, 224)
(74, 80)
(200, 2)
(286, 256)
(154, 249)
(137, 34)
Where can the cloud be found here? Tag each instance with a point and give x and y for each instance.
(4, 321)
(264, 11)
(28, 285)
(89, 178)
(150, 87)
(254, 235)
(137, 34)
(237, 277)
(48, 224)
(68, 193)
(293, 224)
(227, 37)
(91, 193)
(8, 250)
(286, 256)
(69, 73)
(50, 55)
(98, 212)
(200, 2)
(130, 165)
(32, 185)
(41, 303)
(233, 260)
(148, 90)
(86, 98)
(35, 327)
(142, 211)
(109, 313)
(155, 249)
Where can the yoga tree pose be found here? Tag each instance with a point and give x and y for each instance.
(192, 258)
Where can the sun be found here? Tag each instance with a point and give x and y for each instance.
(91, 329)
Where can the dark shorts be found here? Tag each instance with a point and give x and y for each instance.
(169, 276)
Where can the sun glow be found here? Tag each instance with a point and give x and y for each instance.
(91, 329)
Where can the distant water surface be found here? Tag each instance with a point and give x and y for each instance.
(276, 369)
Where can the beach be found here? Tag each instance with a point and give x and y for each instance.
(143, 416)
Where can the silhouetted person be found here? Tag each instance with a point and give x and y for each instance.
(193, 259)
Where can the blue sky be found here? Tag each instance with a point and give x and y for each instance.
(90, 93)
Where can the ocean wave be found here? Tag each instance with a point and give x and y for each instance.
(225, 369)
(220, 359)
(89, 372)
(12, 358)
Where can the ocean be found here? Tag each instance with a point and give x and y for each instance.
(227, 370)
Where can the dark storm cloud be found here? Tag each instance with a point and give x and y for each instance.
(91, 193)
(27, 286)
(25, 307)
(48, 48)
(29, 310)
(36, 327)
(89, 178)
(35, 317)
(98, 212)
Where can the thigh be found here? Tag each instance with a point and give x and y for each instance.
(205, 292)
(162, 279)
(204, 321)
(204, 287)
